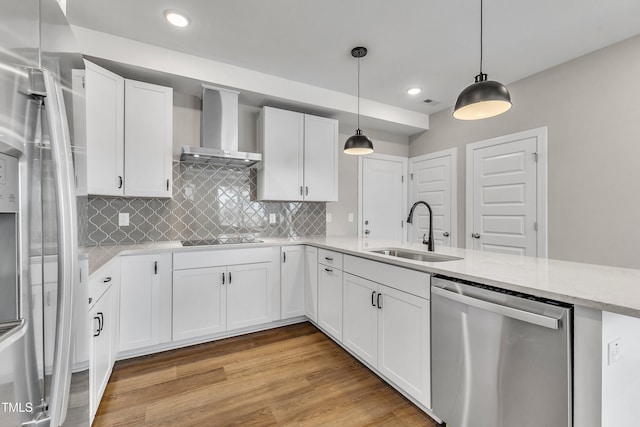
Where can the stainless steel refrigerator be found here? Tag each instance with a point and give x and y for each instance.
(43, 360)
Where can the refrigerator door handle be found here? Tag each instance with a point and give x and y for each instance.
(514, 313)
(68, 269)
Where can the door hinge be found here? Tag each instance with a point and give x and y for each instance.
(411, 176)
(535, 157)
(401, 223)
(83, 83)
(535, 226)
(402, 178)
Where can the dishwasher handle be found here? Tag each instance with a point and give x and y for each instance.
(514, 313)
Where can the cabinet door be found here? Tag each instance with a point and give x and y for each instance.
(320, 159)
(148, 139)
(311, 283)
(100, 348)
(330, 301)
(145, 301)
(199, 302)
(280, 140)
(360, 328)
(248, 295)
(105, 131)
(292, 278)
(403, 342)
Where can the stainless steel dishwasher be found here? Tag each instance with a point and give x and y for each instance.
(499, 359)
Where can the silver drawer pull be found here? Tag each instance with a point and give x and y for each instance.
(328, 258)
(328, 270)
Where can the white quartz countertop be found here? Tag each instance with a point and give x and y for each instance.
(605, 288)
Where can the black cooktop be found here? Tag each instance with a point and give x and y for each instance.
(220, 241)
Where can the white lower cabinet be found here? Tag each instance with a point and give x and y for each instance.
(217, 291)
(292, 281)
(103, 320)
(311, 283)
(388, 328)
(145, 301)
(199, 302)
(330, 299)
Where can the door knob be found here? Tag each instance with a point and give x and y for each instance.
(476, 235)
(445, 234)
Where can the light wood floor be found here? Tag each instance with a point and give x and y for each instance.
(287, 376)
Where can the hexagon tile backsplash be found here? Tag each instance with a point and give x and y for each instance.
(208, 201)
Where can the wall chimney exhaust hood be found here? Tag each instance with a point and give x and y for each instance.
(219, 132)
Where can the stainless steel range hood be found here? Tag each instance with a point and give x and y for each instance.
(219, 132)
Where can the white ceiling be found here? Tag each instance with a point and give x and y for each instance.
(432, 44)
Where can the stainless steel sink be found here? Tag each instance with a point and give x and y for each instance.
(415, 255)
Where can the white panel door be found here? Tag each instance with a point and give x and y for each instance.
(145, 301)
(105, 131)
(330, 301)
(404, 342)
(199, 302)
(383, 198)
(148, 139)
(292, 278)
(248, 295)
(320, 159)
(280, 139)
(360, 326)
(504, 199)
(311, 283)
(432, 181)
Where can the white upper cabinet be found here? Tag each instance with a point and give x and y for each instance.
(104, 93)
(300, 156)
(129, 128)
(320, 159)
(148, 139)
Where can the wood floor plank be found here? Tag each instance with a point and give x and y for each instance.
(290, 376)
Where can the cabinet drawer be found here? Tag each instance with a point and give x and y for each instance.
(220, 257)
(330, 258)
(102, 279)
(403, 279)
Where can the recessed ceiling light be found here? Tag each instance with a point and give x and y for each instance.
(175, 18)
(414, 91)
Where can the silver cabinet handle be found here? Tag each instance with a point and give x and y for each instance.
(301, 190)
(328, 258)
(328, 270)
(223, 276)
(445, 234)
(514, 313)
(306, 191)
(229, 277)
(475, 235)
(121, 181)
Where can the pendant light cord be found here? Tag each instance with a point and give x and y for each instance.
(480, 36)
(358, 92)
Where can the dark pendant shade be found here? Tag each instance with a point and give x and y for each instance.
(358, 144)
(484, 98)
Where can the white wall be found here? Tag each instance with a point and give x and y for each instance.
(591, 106)
(348, 183)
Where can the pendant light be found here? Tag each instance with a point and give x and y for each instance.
(484, 98)
(359, 143)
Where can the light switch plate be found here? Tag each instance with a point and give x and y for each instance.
(272, 218)
(329, 217)
(350, 217)
(123, 219)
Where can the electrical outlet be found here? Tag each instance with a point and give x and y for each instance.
(272, 218)
(123, 219)
(329, 217)
(615, 351)
(350, 217)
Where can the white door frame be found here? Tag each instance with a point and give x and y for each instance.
(453, 153)
(541, 181)
(405, 168)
